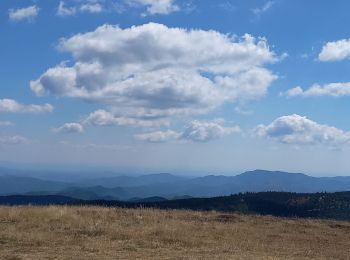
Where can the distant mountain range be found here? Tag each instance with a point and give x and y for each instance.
(167, 186)
(12, 184)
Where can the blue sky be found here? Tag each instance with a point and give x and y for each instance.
(191, 87)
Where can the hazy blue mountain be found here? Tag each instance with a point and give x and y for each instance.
(60, 176)
(261, 180)
(18, 185)
(134, 181)
(97, 192)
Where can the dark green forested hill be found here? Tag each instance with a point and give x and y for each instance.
(284, 204)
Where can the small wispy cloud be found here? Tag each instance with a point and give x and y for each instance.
(12, 106)
(155, 6)
(91, 8)
(95, 147)
(64, 10)
(338, 89)
(228, 6)
(13, 140)
(195, 131)
(304, 56)
(69, 128)
(6, 123)
(28, 13)
(241, 111)
(260, 10)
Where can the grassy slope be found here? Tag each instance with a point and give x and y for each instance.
(59, 232)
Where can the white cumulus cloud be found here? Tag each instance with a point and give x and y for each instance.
(151, 71)
(332, 89)
(26, 13)
(12, 106)
(299, 130)
(335, 51)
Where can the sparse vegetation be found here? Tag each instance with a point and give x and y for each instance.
(63, 232)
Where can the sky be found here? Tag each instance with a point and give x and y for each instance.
(187, 87)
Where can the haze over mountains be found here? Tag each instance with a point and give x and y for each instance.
(167, 186)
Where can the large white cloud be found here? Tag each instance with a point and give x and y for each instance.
(152, 71)
(195, 131)
(26, 13)
(299, 130)
(335, 51)
(332, 89)
(156, 6)
(12, 106)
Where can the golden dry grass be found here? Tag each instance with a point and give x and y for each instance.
(107, 233)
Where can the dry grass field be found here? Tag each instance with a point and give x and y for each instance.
(108, 233)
